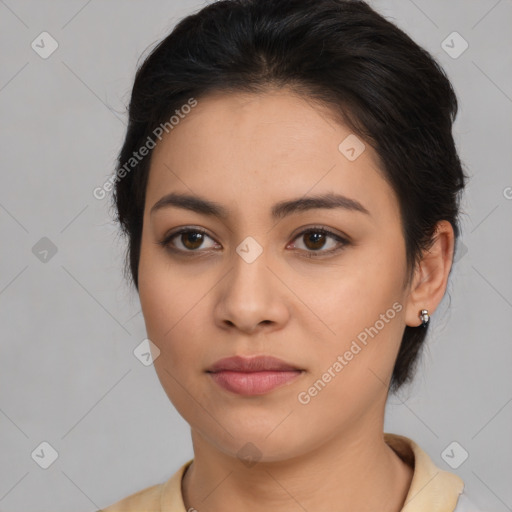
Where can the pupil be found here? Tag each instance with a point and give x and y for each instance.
(196, 240)
(317, 239)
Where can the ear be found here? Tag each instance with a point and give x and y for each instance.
(431, 275)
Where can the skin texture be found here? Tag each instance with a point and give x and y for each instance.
(248, 152)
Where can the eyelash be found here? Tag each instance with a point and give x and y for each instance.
(166, 242)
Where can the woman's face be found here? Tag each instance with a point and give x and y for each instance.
(264, 279)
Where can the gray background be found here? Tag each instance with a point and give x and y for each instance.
(68, 375)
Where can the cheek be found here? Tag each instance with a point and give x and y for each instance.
(363, 307)
(178, 319)
(171, 314)
(354, 295)
(168, 304)
(351, 372)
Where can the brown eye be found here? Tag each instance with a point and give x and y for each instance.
(192, 239)
(188, 240)
(314, 240)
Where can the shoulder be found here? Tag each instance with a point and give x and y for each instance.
(431, 488)
(165, 496)
(146, 499)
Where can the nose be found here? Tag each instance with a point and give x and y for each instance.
(251, 297)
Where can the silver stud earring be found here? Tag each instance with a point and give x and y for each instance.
(425, 317)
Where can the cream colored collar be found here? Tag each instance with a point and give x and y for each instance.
(431, 490)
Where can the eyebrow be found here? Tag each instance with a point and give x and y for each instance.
(279, 210)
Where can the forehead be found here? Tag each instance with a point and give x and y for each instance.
(278, 119)
(253, 147)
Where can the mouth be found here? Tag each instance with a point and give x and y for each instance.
(252, 376)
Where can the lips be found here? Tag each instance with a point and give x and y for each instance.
(252, 376)
(252, 364)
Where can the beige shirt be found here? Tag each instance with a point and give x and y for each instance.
(431, 489)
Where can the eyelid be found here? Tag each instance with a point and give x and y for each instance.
(340, 238)
(324, 229)
(165, 242)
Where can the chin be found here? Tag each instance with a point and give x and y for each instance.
(259, 445)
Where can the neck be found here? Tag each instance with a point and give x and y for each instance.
(354, 471)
